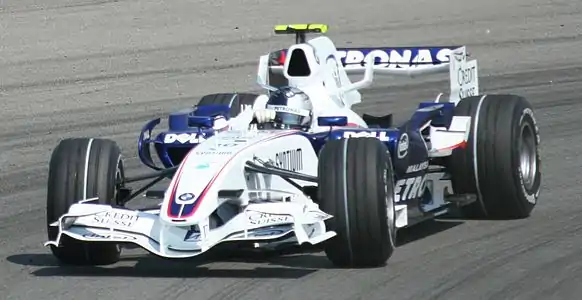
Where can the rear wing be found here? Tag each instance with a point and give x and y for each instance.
(406, 61)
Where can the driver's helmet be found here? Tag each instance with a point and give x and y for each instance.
(293, 108)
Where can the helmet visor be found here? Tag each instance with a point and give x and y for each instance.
(290, 116)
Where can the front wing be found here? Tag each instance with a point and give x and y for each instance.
(258, 223)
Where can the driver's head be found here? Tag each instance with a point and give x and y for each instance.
(293, 108)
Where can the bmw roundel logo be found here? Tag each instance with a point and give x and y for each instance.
(186, 196)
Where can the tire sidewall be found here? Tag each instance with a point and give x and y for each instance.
(388, 183)
(528, 196)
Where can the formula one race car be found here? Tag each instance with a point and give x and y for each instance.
(347, 186)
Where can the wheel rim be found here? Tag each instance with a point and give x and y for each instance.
(528, 155)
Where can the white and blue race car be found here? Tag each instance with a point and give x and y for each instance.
(348, 184)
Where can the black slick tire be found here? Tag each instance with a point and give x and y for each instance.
(356, 186)
(234, 100)
(492, 165)
(82, 168)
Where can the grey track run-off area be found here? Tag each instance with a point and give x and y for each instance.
(103, 68)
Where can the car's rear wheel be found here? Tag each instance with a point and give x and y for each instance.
(502, 162)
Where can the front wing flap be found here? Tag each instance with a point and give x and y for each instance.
(258, 222)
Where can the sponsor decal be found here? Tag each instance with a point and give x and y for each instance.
(291, 160)
(391, 58)
(95, 236)
(183, 138)
(218, 148)
(116, 218)
(268, 219)
(186, 198)
(381, 135)
(214, 152)
(224, 145)
(418, 167)
(202, 166)
(394, 58)
(409, 188)
(403, 146)
(283, 108)
(465, 75)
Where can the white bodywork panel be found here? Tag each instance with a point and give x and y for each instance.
(217, 164)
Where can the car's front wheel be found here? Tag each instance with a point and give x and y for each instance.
(356, 186)
(82, 168)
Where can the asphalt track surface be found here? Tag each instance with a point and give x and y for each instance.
(103, 68)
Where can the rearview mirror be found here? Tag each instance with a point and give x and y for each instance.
(197, 121)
